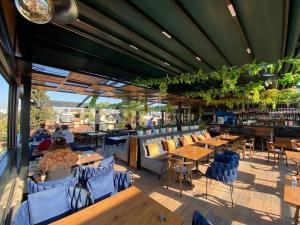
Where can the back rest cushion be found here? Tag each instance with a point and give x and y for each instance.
(171, 145)
(34, 187)
(107, 161)
(153, 149)
(49, 205)
(188, 139)
(207, 135)
(201, 138)
(101, 186)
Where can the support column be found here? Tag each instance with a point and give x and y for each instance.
(162, 117)
(97, 120)
(12, 115)
(25, 119)
(179, 122)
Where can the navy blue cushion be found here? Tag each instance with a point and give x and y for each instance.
(34, 187)
(49, 205)
(79, 198)
(121, 181)
(22, 215)
(198, 219)
(101, 186)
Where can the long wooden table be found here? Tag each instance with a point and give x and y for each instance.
(213, 142)
(128, 207)
(292, 195)
(229, 137)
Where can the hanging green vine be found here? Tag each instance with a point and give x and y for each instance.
(230, 92)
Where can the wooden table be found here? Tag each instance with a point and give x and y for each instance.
(213, 142)
(295, 156)
(192, 152)
(229, 137)
(128, 207)
(292, 195)
(85, 158)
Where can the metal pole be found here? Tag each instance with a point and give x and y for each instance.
(179, 117)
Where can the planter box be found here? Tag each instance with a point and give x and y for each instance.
(169, 129)
(162, 130)
(148, 132)
(174, 129)
(140, 132)
(156, 131)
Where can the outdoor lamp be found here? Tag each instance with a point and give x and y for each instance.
(36, 11)
(44, 11)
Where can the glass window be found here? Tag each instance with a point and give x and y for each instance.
(3, 113)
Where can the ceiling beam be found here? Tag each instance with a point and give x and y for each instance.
(93, 35)
(89, 13)
(285, 26)
(160, 27)
(194, 23)
(92, 55)
(83, 101)
(241, 31)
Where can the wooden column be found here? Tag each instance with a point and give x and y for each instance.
(179, 116)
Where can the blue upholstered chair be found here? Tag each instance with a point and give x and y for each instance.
(44, 207)
(198, 219)
(101, 186)
(224, 169)
(33, 187)
(107, 183)
(89, 171)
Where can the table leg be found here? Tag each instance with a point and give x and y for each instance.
(297, 215)
(97, 137)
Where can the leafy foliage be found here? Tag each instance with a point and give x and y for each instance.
(39, 114)
(230, 92)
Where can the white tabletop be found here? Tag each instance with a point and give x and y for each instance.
(118, 138)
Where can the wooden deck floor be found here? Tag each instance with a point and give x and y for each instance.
(258, 194)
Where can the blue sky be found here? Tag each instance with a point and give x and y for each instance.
(68, 97)
(3, 93)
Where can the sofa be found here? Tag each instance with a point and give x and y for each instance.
(122, 150)
(158, 164)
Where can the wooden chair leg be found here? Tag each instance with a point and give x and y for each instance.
(206, 187)
(231, 192)
(180, 183)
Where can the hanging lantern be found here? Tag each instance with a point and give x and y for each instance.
(36, 11)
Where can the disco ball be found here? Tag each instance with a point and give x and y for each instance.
(36, 11)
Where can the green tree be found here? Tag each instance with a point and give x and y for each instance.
(39, 114)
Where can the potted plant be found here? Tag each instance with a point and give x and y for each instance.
(156, 130)
(139, 130)
(169, 128)
(148, 131)
(174, 128)
(184, 127)
(163, 129)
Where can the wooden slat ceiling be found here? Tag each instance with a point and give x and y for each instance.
(78, 83)
(123, 39)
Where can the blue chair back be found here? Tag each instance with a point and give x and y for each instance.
(33, 187)
(198, 219)
(49, 205)
(226, 158)
(79, 198)
(22, 215)
(224, 172)
(88, 171)
(122, 181)
(101, 186)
